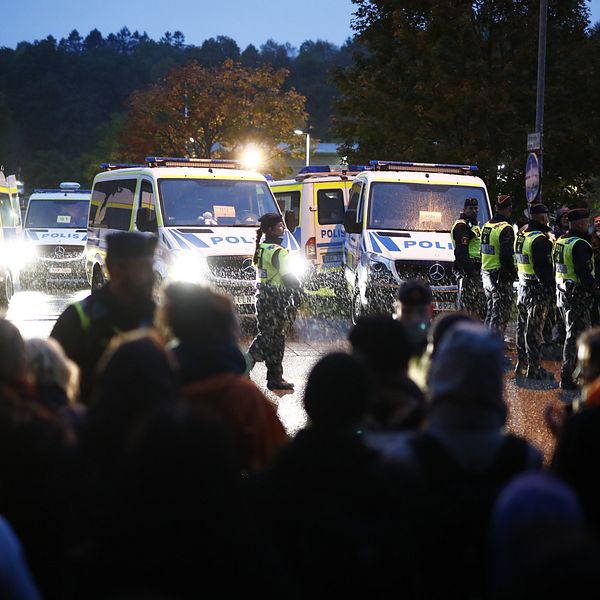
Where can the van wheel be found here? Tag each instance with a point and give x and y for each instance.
(98, 280)
(6, 291)
(357, 308)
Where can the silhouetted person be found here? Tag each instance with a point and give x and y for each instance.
(540, 545)
(85, 328)
(328, 505)
(397, 402)
(212, 368)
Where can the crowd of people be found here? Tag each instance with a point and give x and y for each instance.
(557, 270)
(139, 461)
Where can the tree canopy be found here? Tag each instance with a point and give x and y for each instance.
(204, 112)
(63, 103)
(455, 81)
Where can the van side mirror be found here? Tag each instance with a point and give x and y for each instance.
(291, 220)
(350, 224)
(146, 220)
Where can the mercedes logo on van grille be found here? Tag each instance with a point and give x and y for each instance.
(437, 272)
(59, 252)
(248, 265)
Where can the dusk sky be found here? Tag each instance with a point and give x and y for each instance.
(246, 21)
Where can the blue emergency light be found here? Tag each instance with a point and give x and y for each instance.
(316, 169)
(356, 168)
(113, 166)
(393, 165)
(206, 163)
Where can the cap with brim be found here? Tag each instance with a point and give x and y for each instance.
(270, 219)
(503, 201)
(539, 209)
(129, 244)
(471, 202)
(576, 214)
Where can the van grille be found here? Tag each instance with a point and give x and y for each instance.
(427, 271)
(232, 267)
(60, 251)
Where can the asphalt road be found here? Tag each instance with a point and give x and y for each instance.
(34, 313)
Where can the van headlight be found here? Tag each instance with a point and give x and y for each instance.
(297, 264)
(189, 266)
(18, 255)
(380, 268)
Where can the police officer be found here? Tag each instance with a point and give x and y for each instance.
(497, 265)
(536, 291)
(466, 239)
(575, 287)
(86, 328)
(276, 288)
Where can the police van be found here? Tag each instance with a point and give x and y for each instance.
(398, 227)
(55, 233)
(318, 196)
(204, 212)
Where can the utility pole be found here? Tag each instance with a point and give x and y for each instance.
(535, 141)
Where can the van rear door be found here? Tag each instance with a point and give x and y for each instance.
(330, 199)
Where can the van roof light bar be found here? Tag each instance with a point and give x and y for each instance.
(113, 166)
(69, 185)
(60, 191)
(206, 163)
(392, 165)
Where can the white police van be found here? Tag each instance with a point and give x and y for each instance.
(318, 196)
(55, 233)
(204, 211)
(398, 227)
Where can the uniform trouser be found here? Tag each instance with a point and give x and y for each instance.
(470, 295)
(534, 302)
(574, 304)
(269, 344)
(499, 296)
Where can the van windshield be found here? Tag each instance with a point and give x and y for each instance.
(59, 214)
(421, 206)
(214, 202)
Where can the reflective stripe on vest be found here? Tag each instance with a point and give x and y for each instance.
(564, 267)
(266, 273)
(490, 245)
(84, 318)
(474, 242)
(524, 254)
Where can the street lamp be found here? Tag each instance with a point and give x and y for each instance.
(300, 132)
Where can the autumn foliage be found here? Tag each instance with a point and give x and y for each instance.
(208, 112)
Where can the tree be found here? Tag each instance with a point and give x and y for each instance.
(194, 108)
(455, 81)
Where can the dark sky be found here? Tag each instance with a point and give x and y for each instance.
(246, 21)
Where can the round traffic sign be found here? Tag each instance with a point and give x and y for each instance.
(532, 177)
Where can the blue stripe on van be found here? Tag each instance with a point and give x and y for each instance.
(192, 239)
(387, 242)
(330, 245)
(376, 247)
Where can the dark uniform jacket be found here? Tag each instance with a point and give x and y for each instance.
(85, 343)
(508, 271)
(463, 234)
(541, 251)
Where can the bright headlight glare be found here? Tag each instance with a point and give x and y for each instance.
(297, 265)
(189, 266)
(18, 254)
